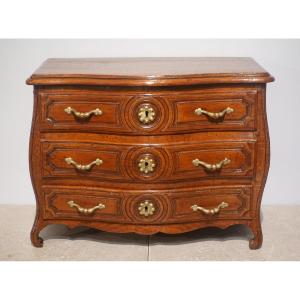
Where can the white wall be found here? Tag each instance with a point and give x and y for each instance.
(19, 58)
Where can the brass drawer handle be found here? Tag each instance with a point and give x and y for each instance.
(146, 165)
(86, 211)
(214, 115)
(80, 167)
(212, 211)
(146, 114)
(146, 208)
(69, 110)
(211, 167)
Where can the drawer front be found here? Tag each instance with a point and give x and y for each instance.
(143, 113)
(159, 163)
(213, 160)
(215, 110)
(150, 207)
(211, 203)
(77, 111)
(82, 204)
(83, 160)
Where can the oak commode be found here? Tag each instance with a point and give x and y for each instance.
(149, 145)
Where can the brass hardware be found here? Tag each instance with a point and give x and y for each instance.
(211, 167)
(86, 211)
(217, 115)
(146, 208)
(80, 167)
(146, 114)
(212, 211)
(69, 110)
(146, 165)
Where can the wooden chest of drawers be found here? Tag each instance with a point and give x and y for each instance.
(149, 145)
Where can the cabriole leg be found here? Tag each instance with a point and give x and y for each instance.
(38, 225)
(257, 239)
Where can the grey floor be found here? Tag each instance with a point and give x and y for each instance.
(280, 226)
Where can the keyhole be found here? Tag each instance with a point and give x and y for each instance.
(146, 113)
(146, 164)
(146, 209)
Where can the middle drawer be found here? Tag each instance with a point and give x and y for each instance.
(155, 163)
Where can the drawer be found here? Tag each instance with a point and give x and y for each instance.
(158, 163)
(215, 109)
(212, 160)
(140, 113)
(150, 207)
(82, 204)
(83, 160)
(81, 111)
(211, 203)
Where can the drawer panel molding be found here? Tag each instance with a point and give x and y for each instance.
(139, 207)
(201, 161)
(155, 113)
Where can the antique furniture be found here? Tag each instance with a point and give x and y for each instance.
(149, 145)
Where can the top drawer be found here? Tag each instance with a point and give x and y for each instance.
(158, 112)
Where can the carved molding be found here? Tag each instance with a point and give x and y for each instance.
(248, 120)
(60, 120)
(165, 203)
(52, 170)
(243, 194)
(245, 148)
(54, 210)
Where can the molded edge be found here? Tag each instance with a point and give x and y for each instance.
(148, 81)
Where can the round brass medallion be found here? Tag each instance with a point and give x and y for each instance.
(146, 165)
(146, 208)
(146, 114)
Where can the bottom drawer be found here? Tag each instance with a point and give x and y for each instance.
(151, 207)
(214, 202)
(87, 204)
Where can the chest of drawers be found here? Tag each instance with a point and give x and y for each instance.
(149, 145)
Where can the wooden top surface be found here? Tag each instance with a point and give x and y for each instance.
(149, 71)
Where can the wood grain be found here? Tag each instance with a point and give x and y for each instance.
(149, 71)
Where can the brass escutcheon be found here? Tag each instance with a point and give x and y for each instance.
(146, 208)
(146, 114)
(146, 165)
